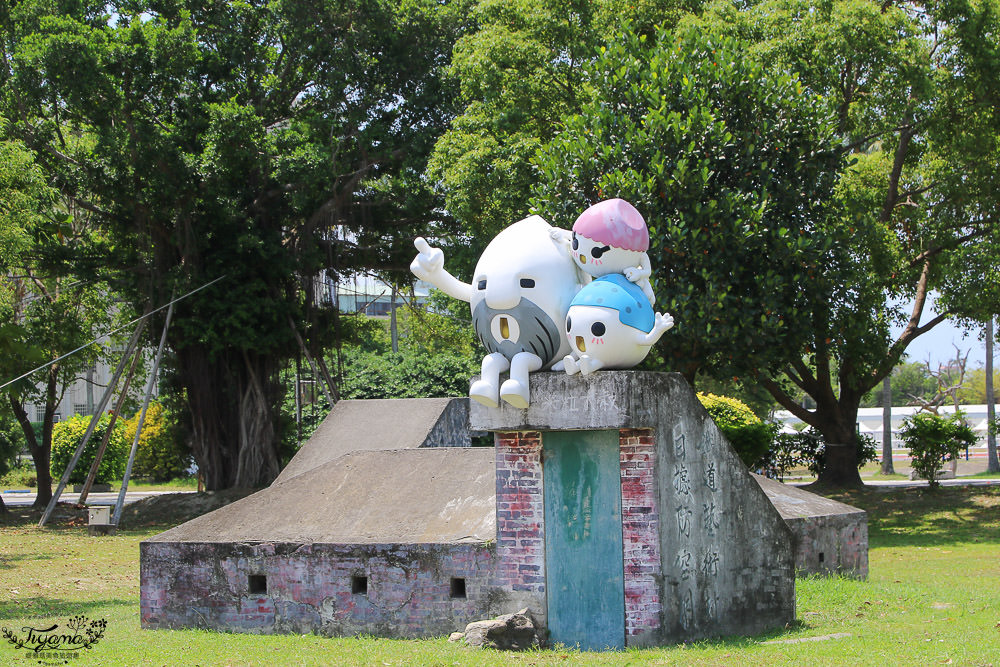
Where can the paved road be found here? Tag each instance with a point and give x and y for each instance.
(21, 498)
(874, 481)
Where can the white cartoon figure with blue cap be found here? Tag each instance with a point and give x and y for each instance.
(611, 325)
(611, 237)
(519, 296)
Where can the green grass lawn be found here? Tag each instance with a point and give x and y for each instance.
(23, 478)
(933, 597)
(181, 484)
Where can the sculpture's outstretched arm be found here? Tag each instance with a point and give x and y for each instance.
(429, 265)
(663, 322)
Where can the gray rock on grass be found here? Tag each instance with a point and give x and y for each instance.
(510, 632)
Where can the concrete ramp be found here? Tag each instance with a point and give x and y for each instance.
(382, 424)
(442, 495)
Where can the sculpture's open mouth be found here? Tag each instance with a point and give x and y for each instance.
(505, 328)
(580, 344)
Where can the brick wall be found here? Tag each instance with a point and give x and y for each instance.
(314, 587)
(640, 532)
(520, 513)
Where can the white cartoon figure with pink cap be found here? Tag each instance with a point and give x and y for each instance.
(611, 237)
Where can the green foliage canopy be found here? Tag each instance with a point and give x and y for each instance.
(260, 141)
(48, 306)
(732, 166)
(912, 89)
(520, 72)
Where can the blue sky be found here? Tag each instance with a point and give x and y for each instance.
(938, 343)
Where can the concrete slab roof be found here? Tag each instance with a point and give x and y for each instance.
(382, 424)
(416, 496)
(795, 503)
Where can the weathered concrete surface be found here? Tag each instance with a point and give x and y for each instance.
(357, 538)
(726, 563)
(277, 587)
(435, 495)
(829, 536)
(371, 425)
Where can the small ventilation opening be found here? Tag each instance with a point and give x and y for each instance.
(821, 556)
(458, 588)
(257, 583)
(359, 585)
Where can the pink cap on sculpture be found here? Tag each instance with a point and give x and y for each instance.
(616, 223)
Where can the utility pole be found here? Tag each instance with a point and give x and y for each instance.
(392, 321)
(887, 468)
(90, 390)
(992, 464)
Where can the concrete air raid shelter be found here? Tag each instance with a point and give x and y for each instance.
(612, 508)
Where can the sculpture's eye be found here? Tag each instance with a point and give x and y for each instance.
(569, 325)
(597, 252)
(527, 282)
(482, 284)
(576, 243)
(598, 329)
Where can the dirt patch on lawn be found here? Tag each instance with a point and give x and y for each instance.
(168, 509)
(171, 509)
(63, 515)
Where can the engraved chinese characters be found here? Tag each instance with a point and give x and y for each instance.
(694, 525)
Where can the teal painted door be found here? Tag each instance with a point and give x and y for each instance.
(583, 539)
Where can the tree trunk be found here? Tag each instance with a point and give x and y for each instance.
(839, 424)
(887, 468)
(232, 399)
(40, 454)
(992, 464)
(840, 467)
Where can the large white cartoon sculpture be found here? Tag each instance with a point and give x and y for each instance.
(611, 237)
(519, 296)
(611, 324)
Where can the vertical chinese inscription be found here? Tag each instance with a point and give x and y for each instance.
(710, 563)
(679, 442)
(711, 606)
(685, 564)
(687, 609)
(711, 477)
(683, 522)
(682, 485)
(695, 485)
(710, 518)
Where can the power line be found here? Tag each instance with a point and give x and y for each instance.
(114, 331)
(35, 297)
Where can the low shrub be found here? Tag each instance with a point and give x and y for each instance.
(749, 436)
(161, 455)
(808, 449)
(20, 477)
(933, 440)
(66, 437)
